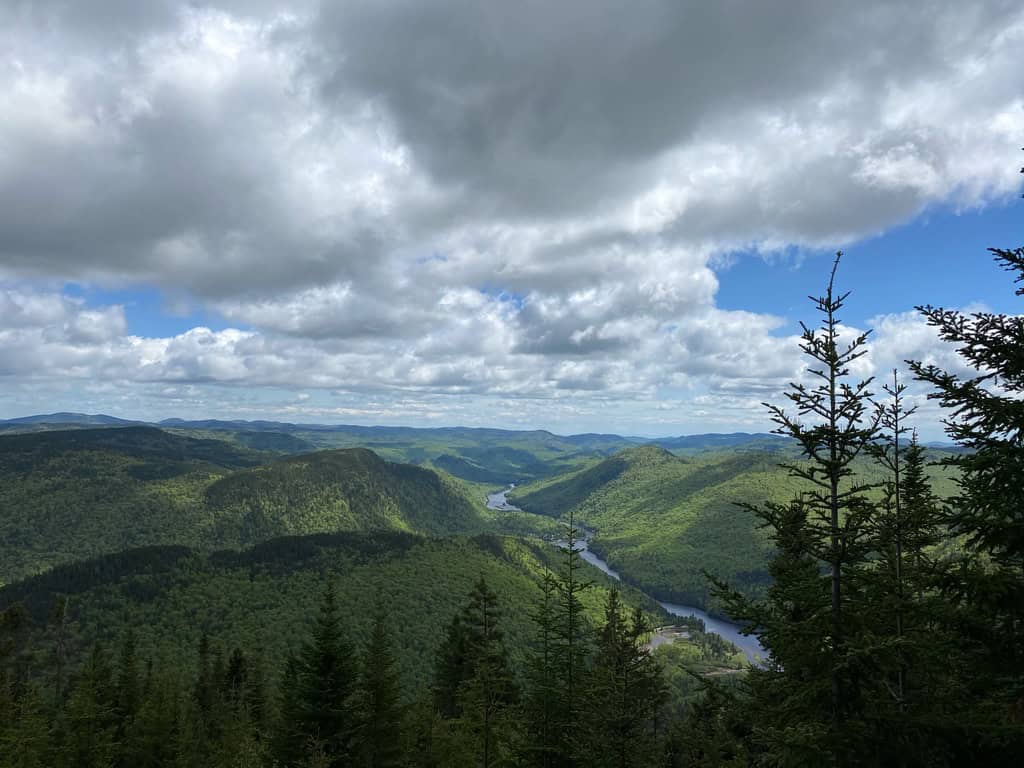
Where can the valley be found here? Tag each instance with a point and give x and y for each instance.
(749, 645)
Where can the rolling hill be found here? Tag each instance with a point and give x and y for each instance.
(77, 494)
(264, 598)
(662, 520)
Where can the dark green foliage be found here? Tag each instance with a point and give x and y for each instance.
(337, 490)
(325, 720)
(24, 731)
(67, 496)
(378, 703)
(624, 695)
(812, 695)
(541, 706)
(987, 417)
(216, 711)
(715, 732)
(663, 521)
(475, 688)
(91, 720)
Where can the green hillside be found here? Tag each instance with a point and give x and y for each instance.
(494, 456)
(77, 494)
(662, 520)
(264, 598)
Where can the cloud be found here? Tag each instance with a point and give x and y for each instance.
(519, 200)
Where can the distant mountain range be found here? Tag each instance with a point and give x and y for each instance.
(587, 441)
(92, 420)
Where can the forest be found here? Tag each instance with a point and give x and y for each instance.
(173, 599)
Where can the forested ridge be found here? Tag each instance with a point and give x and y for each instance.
(663, 521)
(891, 602)
(69, 495)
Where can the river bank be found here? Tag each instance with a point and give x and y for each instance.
(750, 646)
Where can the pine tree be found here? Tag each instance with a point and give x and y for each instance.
(127, 692)
(987, 418)
(570, 649)
(91, 717)
(922, 520)
(24, 737)
(202, 716)
(624, 694)
(474, 667)
(541, 713)
(714, 732)
(15, 650)
(153, 736)
(289, 739)
(891, 527)
(812, 625)
(379, 736)
(902, 636)
(326, 680)
(57, 627)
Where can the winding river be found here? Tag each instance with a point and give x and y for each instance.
(750, 646)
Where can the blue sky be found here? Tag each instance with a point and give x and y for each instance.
(461, 213)
(939, 257)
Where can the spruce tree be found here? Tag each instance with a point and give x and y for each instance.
(91, 717)
(571, 649)
(624, 694)
(815, 638)
(127, 694)
(289, 738)
(326, 681)
(909, 647)
(541, 713)
(473, 665)
(153, 736)
(379, 735)
(24, 733)
(57, 626)
(986, 418)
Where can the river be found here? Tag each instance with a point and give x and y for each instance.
(750, 646)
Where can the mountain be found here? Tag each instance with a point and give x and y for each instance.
(479, 455)
(714, 441)
(75, 494)
(662, 520)
(264, 598)
(71, 418)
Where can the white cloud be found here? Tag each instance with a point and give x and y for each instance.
(456, 197)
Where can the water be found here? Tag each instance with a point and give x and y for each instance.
(499, 502)
(750, 646)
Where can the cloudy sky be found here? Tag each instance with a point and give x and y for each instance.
(580, 215)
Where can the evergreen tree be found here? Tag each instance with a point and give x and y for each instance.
(57, 627)
(542, 698)
(379, 737)
(922, 517)
(289, 740)
(326, 680)
(474, 667)
(153, 736)
(15, 656)
(829, 528)
(127, 692)
(624, 694)
(987, 418)
(714, 733)
(903, 636)
(202, 713)
(570, 650)
(91, 717)
(24, 733)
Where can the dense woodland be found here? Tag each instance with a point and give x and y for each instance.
(889, 593)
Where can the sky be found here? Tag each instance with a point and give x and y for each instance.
(578, 216)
